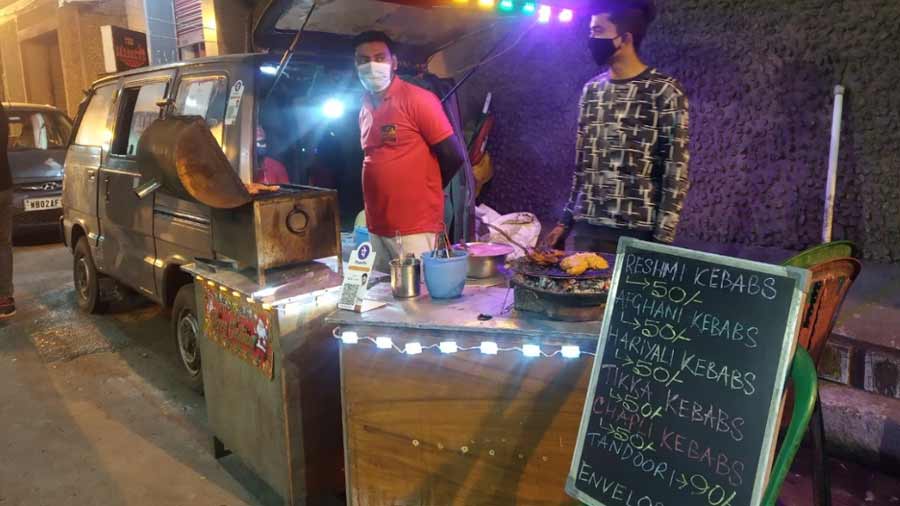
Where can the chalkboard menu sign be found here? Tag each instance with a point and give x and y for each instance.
(684, 400)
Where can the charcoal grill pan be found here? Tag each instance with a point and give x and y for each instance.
(531, 269)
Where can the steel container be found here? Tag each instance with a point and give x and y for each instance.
(485, 258)
(406, 277)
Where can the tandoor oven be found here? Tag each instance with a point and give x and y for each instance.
(279, 229)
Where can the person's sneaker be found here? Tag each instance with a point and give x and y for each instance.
(7, 308)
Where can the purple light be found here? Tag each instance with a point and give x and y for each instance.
(545, 12)
(566, 15)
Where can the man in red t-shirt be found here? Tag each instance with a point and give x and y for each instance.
(269, 170)
(411, 154)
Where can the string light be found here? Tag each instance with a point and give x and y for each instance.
(491, 348)
(570, 351)
(545, 12)
(528, 8)
(531, 350)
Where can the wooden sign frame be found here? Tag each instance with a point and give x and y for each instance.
(798, 299)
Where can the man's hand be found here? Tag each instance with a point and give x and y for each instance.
(556, 238)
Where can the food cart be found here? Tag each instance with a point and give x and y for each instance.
(270, 376)
(442, 405)
(467, 401)
(269, 364)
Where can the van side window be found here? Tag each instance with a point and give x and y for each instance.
(206, 97)
(92, 129)
(137, 111)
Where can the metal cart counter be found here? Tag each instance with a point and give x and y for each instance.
(271, 375)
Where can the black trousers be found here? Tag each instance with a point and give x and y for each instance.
(602, 239)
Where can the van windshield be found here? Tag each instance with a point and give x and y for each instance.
(30, 130)
(308, 131)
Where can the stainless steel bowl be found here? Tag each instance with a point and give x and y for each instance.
(485, 258)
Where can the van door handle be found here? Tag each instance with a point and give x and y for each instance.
(106, 190)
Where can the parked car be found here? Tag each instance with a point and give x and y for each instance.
(38, 136)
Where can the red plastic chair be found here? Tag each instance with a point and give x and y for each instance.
(830, 281)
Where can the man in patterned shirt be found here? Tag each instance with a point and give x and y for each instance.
(631, 163)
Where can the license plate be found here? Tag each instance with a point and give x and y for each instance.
(43, 204)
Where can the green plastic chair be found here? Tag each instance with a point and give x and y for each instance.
(805, 383)
(823, 253)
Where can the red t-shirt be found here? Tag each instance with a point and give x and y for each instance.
(401, 177)
(272, 172)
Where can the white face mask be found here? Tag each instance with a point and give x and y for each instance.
(375, 76)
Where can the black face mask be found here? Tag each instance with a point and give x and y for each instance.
(602, 49)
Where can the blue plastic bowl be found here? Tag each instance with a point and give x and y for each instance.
(360, 235)
(446, 277)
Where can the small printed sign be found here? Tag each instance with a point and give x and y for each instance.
(356, 280)
(234, 102)
(241, 328)
(123, 49)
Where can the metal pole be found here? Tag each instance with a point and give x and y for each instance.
(831, 183)
(286, 57)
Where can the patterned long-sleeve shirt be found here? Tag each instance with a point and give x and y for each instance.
(632, 156)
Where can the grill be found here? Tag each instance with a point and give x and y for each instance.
(293, 225)
(35, 218)
(262, 233)
(50, 186)
(550, 292)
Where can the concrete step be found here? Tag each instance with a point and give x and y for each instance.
(862, 365)
(862, 426)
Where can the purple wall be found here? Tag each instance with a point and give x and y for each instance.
(759, 75)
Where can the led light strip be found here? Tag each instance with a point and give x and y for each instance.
(529, 350)
(527, 7)
(237, 295)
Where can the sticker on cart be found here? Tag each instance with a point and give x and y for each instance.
(242, 328)
(356, 281)
(234, 102)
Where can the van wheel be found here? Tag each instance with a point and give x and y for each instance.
(186, 330)
(87, 280)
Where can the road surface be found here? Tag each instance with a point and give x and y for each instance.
(92, 411)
